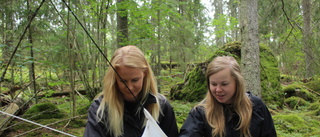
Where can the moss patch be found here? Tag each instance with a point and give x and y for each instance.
(270, 77)
(43, 111)
(291, 123)
(314, 85)
(295, 102)
(194, 86)
(299, 90)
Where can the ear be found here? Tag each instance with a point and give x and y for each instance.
(145, 73)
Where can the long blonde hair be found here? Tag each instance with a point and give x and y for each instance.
(242, 103)
(112, 99)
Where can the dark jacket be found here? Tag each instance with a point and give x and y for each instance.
(133, 122)
(261, 125)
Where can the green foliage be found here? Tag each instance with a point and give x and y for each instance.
(314, 84)
(295, 102)
(77, 123)
(291, 123)
(316, 112)
(297, 89)
(169, 79)
(314, 106)
(43, 111)
(83, 109)
(286, 78)
(270, 77)
(194, 87)
(182, 109)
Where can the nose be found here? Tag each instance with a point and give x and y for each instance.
(218, 88)
(130, 85)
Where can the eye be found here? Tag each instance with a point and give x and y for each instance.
(213, 84)
(135, 80)
(224, 84)
(122, 81)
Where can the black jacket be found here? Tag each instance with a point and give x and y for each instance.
(261, 125)
(133, 122)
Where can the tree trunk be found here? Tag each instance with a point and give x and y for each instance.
(233, 6)
(159, 46)
(71, 65)
(31, 68)
(13, 109)
(250, 54)
(307, 35)
(122, 23)
(218, 11)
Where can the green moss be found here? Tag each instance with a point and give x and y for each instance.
(295, 102)
(77, 123)
(43, 111)
(83, 109)
(317, 112)
(182, 110)
(270, 77)
(290, 90)
(299, 90)
(286, 78)
(291, 123)
(314, 85)
(314, 106)
(194, 87)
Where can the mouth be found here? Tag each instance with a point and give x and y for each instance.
(220, 96)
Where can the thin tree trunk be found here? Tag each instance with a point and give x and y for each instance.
(71, 65)
(217, 14)
(31, 70)
(307, 35)
(158, 46)
(233, 6)
(122, 22)
(250, 54)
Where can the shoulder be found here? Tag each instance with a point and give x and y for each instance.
(257, 104)
(95, 104)
(163, 100)
(256, 101)
(198, 110)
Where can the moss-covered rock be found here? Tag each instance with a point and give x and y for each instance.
(314, 106)
(194, 86)
(295, 102)
(291, 123)
(317, 112)
(43, 111)
(270, 78)
(299, 90)
(314, 85)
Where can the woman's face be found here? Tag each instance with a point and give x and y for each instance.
(223, 86)
(133, 78)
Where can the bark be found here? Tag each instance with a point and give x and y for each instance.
(218, 28)
(306, 7)
(122, 23)
(31, 68)
(250, 55)
(13, 108)
(233, 6)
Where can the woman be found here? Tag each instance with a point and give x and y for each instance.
(227, 110)
(117, 112)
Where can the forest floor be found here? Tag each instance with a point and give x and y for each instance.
(308, 125)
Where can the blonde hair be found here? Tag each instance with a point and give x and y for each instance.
(242, 103)
(112, 99)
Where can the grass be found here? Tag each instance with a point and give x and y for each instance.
(301, 122)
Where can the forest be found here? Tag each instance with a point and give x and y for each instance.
(54, 55)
